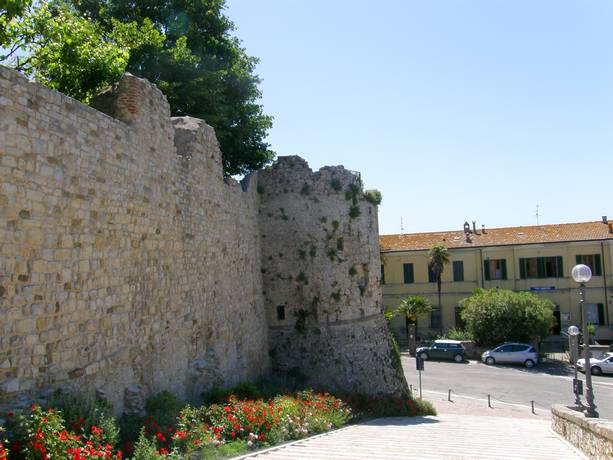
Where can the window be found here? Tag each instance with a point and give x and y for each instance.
(408, 273)
(594, 313)
(458, 270)
(592, 261)
(435, 319)
(495, 269)
(382, 274)
(431, 275)
(280, 312)
(541, 267)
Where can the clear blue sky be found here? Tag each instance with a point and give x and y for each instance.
(454, 110)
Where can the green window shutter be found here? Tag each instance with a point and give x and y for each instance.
(486, 269)
(503, 268)
(458, 270)
(579, 259)
(600, 314)
(540, 267)
(598, 267)
(408, 273)
(522, 268)
(560, 266)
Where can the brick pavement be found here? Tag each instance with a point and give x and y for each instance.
(446, 436)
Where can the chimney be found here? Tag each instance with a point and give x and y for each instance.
(466, 227)
(483, 229)
(475, 227)
(605, 220)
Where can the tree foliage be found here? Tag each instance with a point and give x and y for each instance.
(185, 47)
(499, 315)
(412, 307)
(10, 9)
(57, 46)
(213, 80)
(438, 256)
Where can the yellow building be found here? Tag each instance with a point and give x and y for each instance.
(535, 258)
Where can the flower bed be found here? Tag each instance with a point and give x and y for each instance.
(230, 425)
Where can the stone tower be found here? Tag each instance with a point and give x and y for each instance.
(321, 276)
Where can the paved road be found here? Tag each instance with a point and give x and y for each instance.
(546, 384)
(445, 436)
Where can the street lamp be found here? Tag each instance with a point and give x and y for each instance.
(573, 345)
(582, 274)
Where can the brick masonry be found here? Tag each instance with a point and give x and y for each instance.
(126, 258)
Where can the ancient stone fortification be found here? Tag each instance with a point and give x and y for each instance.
(126, 259)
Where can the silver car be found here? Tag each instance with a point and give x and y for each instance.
(516, 353)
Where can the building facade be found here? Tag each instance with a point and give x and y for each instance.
(538, 259)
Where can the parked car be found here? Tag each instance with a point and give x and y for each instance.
(600, 366)
(443, 349)
(516, 353)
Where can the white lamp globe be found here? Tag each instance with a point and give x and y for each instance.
(573, 331)
(581, 273)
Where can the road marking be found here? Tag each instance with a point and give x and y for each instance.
(570, 379)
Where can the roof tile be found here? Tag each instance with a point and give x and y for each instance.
(581, 231)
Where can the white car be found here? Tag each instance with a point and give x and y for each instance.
(600, 366)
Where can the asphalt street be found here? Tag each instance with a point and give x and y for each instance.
(508, 386)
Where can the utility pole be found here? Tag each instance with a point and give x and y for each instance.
(401, 226)
(537, 214)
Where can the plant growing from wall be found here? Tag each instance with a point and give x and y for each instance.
(301, 318)
(336, 185)
(306, 189)
(302, 278)
(438, 257)
(373, 196)
(352, 271)
(354, 211)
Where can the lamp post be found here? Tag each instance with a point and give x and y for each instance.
(582, 274)
(573, 345)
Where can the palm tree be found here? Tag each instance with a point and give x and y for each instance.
(410, 308)
(413, 307)
(438, 256)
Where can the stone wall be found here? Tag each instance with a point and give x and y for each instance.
(593, 436)
(321, 268)
(129, 265)
(125, 258)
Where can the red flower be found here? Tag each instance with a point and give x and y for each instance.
(163, 451)
(160, 436)
(96, 431)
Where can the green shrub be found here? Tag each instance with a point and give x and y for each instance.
(500, 315)
(373, 196)
(457, 334)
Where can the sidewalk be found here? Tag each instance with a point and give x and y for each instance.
(446, 436)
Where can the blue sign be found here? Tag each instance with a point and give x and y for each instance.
(542, 288)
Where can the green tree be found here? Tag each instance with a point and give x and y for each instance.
(499, 315)
(438, 256)
(412, 307)
(218, 85)
(59, 47)
(9, 9)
